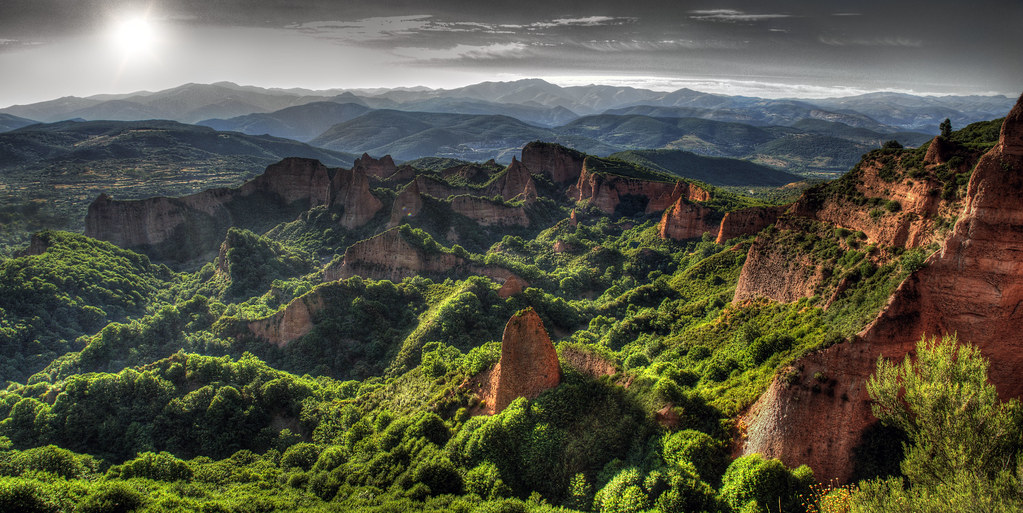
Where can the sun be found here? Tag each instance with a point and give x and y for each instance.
(134, 37)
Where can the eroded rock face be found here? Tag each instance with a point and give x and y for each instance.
(973, 287)
(192, 227)
(513, 286)
(938, 151)
(389, 256)
(777, 271)
(606, 192)
(293, 179)
(350, 189)
(488, 213)
(529, 364)
(407, 204)
(747, 221)
(165, 229)
(687, 220)
(901, 213)
(561, 164)
(293, 322)
(378, 168)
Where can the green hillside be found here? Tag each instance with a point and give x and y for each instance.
(712, 170)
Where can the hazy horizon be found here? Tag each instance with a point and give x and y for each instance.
(770, 49)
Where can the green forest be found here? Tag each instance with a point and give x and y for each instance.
(134, 385)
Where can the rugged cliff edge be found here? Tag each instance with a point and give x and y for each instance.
(179, 230)
(391, 256)
(973, 286)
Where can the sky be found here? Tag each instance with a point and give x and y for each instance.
(767, 48)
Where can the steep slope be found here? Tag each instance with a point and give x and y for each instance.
(973, 286)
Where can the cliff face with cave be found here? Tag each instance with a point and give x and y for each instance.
(973, 287)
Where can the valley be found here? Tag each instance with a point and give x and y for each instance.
(505, 297)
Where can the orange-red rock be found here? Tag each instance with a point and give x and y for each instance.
(606, 191)
(486, 212)
(938, 151)
(561, 164)
(747, 221)
(513, 286)
(973, 287)
(192, 227)
(686, 220)
(529, 364)
(289, 324)
(350, 190)
(389, 256)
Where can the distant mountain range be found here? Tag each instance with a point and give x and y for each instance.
(533, 101)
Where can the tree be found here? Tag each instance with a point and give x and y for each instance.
(949, 412)
(962, 447)
(946, 128)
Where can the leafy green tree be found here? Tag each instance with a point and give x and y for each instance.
(963, 443)
(946, 128)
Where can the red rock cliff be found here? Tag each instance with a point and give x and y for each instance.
(289, 324)
(747, 221)
(192, 227)
(561, 164)
(529, 364)
(350, 190)
(973, 286)
(389, 256)
(606, 191)
(687, 220)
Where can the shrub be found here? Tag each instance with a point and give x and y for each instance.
(752, 479)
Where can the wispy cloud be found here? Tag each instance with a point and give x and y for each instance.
(732, 16)
(905, 42)
(589, 21)
(463, 52)
(366, 30)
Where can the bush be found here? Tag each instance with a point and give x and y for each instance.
(112, 498)
(751, 479)
(301, 455)
(690, 447)
(161, 466)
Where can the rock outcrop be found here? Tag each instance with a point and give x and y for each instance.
(747, 221)
(687, 220)
(938, 151)
(879, 198)
(608, 191)
(486, 212)
(561, 164)
(390, 256)
(529, 364)
(407, 204)
(179, 230)
(289, 324)
(380, 169)
(973, 287)
(513, 286)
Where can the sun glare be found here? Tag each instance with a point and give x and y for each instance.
(134, 37)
